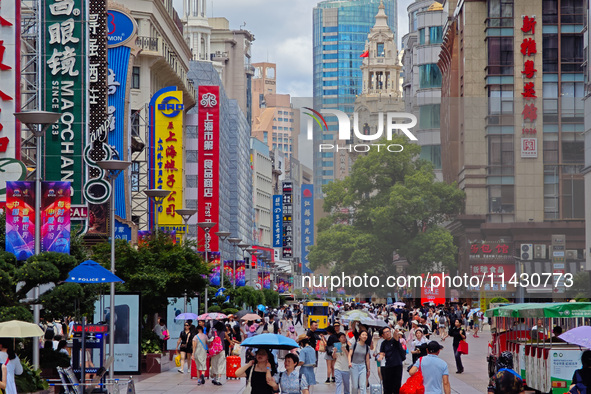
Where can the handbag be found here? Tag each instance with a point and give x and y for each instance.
(463, 347)
(236, 350)
(177, 360)
(414, 384)
(248, 388)
(321, 345)
(165, 335)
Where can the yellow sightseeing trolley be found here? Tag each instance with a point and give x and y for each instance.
(316, 311)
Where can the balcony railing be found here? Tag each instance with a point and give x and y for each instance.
(147, 43)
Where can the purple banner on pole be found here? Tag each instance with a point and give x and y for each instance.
(55, 217)
(20, 219)
(240, 273)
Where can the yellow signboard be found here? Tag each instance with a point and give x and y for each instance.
(168, 157)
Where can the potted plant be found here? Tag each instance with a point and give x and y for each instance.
(155, 362)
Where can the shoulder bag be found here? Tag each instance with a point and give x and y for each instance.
(414, 384)
(248, 388)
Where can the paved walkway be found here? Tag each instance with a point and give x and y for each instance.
(474, 380)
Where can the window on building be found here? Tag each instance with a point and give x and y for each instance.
(500, 13)
(191, 156)
(549, 12)
(573, 198)
(500, 99)
(571, 52)
(550, 52)
(274, 146)
(327, 154)
(328, 172)
(501, 199)
(380, 50)
(135, 123)
(429, 76)
(429, 116)
(265, 136)
(191, 131)
(500, 55)
(191, 204)
(274, 127)
(192, 230)
(135, 176)
(135, 78)
(501, 156)
(274, 139)
(572, 11)
(435, 35)
(432, 153)
(550, 148)
(327, 163)
(422, 36)
(573, 151)
(191, 181)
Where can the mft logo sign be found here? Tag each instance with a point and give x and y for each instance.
(345, 130)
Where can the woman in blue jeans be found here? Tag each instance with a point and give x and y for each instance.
(359, 363)
(340, 354)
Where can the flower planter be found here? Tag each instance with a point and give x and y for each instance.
(156, 363)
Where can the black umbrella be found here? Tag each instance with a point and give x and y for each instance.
(241, 313)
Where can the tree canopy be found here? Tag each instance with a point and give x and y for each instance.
(391, 203)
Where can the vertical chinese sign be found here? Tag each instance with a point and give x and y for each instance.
(307, 225)
(97, 189)
(529, 143)
(208, 101)
(287, 220)
(11, 169)
(122, 35)
(166, 156)
(63, 71)
(55, 217)
(277, 221)
(20, 219)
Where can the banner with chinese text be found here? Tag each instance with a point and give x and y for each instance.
(20, 219)
(208, 129)
(307, 225)
(166, 157)
(64, 74)
(55, 217)
(277, 221)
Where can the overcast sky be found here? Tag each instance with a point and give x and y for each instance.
(283, 35)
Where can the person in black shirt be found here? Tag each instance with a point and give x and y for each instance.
(458, 334)
(393, 354)
(314, 337)
(582, 377)
(332, 339)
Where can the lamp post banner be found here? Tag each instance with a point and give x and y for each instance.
(20, 219)
(55, 217)
(208, 102)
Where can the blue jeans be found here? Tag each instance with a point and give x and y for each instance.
(343, 382)
(359, 378)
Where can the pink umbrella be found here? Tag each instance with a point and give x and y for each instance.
(212, 316)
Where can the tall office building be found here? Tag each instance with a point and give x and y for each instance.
(422, 78)
(339, 34)
(512, 119)
(587, 170)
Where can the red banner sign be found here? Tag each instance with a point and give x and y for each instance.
(208, 101)
(499, 271)
(434, 294)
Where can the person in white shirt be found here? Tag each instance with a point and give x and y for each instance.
(12, 362)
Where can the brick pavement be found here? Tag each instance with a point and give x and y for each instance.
(473, 381)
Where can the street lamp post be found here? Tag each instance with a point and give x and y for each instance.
(186, 215)
(222, 235)
(250, 251)
(234, 242)
(37, 122)
(113, 168)
(157, 196)
(206, 226)
(243, 246)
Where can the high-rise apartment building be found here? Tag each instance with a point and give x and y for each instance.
(587, 170)
(274, 121)
(422, 77)
(340, 31)
(512, 119)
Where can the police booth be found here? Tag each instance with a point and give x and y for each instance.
(89, 339)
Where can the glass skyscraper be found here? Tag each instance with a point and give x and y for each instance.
(340, 33)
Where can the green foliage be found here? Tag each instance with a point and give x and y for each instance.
(30, 380)
(249, 296)
(499, 300)
(390, 204)
(581, 287)
(158, 269)
(214, 308)
(230, 311)
(16, 312)
(150, 342)
(271, 298)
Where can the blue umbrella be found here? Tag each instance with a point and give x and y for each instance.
(261, 307)
(270, 341)
(90, 271)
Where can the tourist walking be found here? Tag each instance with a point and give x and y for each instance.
(185, 346)
(307, 359)
(289, 381)
(199, 354)
(458, 334)
(391, 357)
(359, 363)
(259, 373)
(434, 370)
(341, 366)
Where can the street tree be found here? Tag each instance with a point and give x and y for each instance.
(390, 204)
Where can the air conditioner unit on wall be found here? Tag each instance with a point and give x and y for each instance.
(527, 251)
(571, 254)
(539, 251)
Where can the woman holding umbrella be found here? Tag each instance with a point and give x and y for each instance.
(259, 373)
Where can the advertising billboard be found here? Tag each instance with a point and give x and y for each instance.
(55, 217)
(307, 225)
(208, 129)
(166, 157)
(20, 219)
